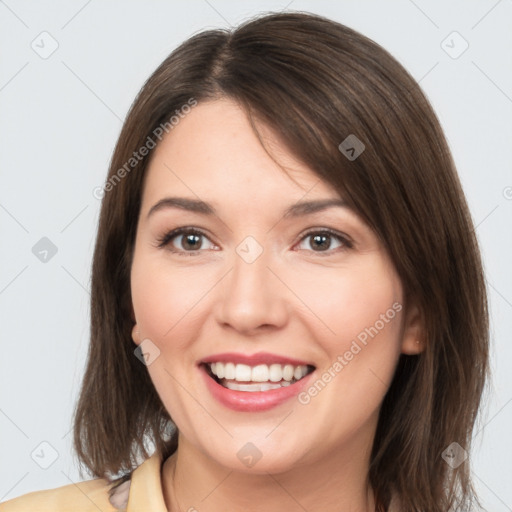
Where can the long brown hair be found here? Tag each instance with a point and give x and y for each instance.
(316, 82)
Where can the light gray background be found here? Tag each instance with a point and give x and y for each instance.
(60, 118)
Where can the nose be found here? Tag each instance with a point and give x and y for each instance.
(252, 297)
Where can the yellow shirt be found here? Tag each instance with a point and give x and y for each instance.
(144, 488)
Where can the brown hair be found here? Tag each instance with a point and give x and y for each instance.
(316, 82)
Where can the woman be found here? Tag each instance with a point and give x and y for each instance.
(288, 302)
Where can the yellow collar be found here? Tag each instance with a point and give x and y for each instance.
(144, 489)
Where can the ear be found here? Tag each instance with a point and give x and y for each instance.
(413, 341)
(136, 335)
(132, 313)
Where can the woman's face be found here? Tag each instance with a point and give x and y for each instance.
(268, 290)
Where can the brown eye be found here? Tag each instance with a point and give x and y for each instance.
(190, 241)
(323, 241)
(183, 240)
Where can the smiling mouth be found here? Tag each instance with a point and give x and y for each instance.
(261, 377)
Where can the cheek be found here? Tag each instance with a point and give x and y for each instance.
(363, 311)
(163, 296)
(349, 302)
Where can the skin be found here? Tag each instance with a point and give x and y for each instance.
(295, 300)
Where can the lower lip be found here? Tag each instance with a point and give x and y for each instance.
(253, 401)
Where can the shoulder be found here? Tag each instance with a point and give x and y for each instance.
(142, 491)
(87, 496)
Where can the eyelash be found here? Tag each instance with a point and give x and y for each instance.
(164, 240)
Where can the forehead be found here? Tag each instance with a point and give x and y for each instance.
(213, 150)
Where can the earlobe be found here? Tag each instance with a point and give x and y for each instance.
(413, 334)
(136, 334)
(412, 348)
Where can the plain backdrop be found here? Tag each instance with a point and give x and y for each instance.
(69, 71)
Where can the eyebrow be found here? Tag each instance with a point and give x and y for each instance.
(204, 208)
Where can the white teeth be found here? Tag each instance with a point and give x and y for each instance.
(219, 370)
(259, 373)
(229, 371)
(288, 372)
(262, 373)
(266, 386)
(275, 372)
(243, 373)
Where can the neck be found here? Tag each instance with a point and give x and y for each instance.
(193, 481)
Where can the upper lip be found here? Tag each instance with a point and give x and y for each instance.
(253, 359)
